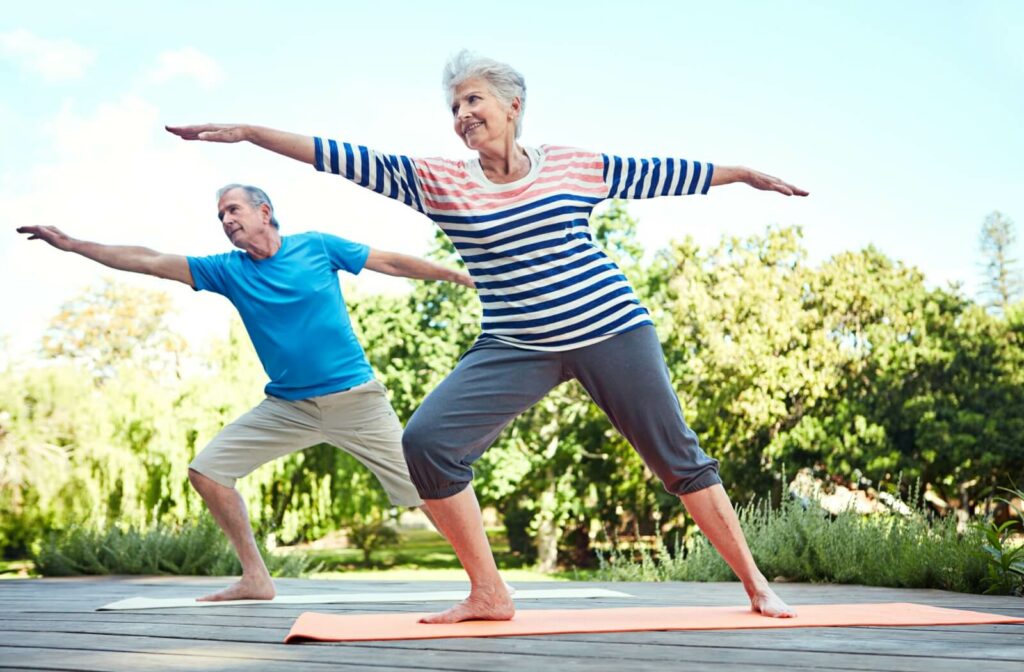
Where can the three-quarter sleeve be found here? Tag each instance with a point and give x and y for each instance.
(647, 178)
(391, 175)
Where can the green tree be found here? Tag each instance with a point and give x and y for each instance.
(113, 323)
(747, 347)
(1002, 282)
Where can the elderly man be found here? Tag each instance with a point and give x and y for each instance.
(321, 389)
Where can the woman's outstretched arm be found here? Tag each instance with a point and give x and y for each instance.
(394, 176)
(652, 177)
(756, 179)
(292, 145)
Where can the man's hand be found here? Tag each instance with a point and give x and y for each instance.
(765, 182)
(49, 234)
(211, 132)
(121, 257)
(464, 280)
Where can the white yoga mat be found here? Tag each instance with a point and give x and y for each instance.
(341, 598)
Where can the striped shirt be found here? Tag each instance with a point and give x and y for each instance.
(543, 282)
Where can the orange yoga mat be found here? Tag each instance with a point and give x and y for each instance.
(370, 627)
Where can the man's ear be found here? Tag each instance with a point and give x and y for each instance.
(265, 213)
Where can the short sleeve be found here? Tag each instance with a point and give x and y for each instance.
(210, 273)
(344, 254)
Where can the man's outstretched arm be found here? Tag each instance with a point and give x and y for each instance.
(121, 257)
(405, 266)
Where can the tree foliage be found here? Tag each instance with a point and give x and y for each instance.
(113, 324)
(1003, 283)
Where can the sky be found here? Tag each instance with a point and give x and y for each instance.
(903, 120)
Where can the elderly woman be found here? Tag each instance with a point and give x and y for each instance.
(555, 308)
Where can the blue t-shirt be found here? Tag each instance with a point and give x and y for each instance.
(292, 307)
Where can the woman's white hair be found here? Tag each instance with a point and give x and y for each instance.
(506, 83)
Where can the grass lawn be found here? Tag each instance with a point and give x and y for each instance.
(15, 569)
(420, 555)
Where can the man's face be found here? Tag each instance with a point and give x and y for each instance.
(240, 220)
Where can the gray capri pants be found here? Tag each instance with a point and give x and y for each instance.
(494, 382)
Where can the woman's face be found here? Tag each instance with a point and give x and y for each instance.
(479, 117)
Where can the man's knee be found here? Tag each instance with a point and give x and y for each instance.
(201, 482)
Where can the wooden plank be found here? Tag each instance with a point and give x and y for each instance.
(26, 658)
(53, 617)
(233, 633)
(839, 641)
(631, 652)
(517, 654)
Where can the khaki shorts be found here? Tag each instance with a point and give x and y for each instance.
(359, 421)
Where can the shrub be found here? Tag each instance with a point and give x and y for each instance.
(193, 548)
(800, 541)
(1005, 570)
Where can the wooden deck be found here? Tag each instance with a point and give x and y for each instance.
(50, 624)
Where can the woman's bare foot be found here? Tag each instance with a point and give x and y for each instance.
(245, 589)
(765, 602)
(481, 605)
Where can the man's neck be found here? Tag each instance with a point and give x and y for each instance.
(266, 246)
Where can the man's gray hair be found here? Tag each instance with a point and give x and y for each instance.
(256, 196)
(506, 83)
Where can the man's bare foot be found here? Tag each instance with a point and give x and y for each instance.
(767, 603)
(245, 589)
(481, 605)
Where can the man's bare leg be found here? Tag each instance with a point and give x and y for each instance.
(229, 511)
(458, 519)
(714, 515)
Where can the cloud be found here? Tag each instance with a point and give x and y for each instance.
(187, 62)
(111, 175)
(53, 59)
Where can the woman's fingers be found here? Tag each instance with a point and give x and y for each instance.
(772, 183)
(208, 132)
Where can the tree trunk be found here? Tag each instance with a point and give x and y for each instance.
(547, 531)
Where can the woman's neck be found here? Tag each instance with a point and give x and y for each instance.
(504, 164)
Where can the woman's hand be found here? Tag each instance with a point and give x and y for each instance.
(765, 182)
(211, 132)
(292, 145)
